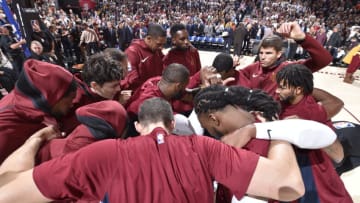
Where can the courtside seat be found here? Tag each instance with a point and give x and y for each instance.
(202, 41)
(219, 42)
(208, 42)
(198, 39)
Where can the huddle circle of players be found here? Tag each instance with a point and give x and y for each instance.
(93, 106)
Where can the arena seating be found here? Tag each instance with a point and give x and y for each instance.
(207, 43)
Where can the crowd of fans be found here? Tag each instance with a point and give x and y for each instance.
(118, 46)
(69, 35)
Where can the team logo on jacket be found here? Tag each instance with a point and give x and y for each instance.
(160, 138)
(143, 61)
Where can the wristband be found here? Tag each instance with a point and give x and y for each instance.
(305, 134)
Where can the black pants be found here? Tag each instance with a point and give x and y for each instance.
(18, 62)
(349, 137)
(92, 48)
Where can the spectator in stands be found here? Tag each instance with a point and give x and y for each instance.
(199, 28)
(110, 37)
(209, 29)
(120, 34)
(37, 53)
(4, 61)
(246, 45)
(334, 43)
(90, 39)
(75, 33)
(12, 47)
(57, 54)
(43, 36)
(239, 37)
(64, 33)
(321, 36)
(125, 34)
(228, 36)
(219, 27)
(8, 79)
(36, 50)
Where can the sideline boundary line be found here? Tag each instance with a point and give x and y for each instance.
(352, 115)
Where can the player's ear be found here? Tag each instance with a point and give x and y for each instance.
(214, 119)
(138, 127)
(299, 90)
(171, 126)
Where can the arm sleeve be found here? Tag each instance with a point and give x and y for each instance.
(83, 175)
(198, 61)
(6, 43)
(302, 133)
(166, 61)
(195, 80)
(229, 166)
(247, 71)
(320, 115)
(319, 56)
(132, 80)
